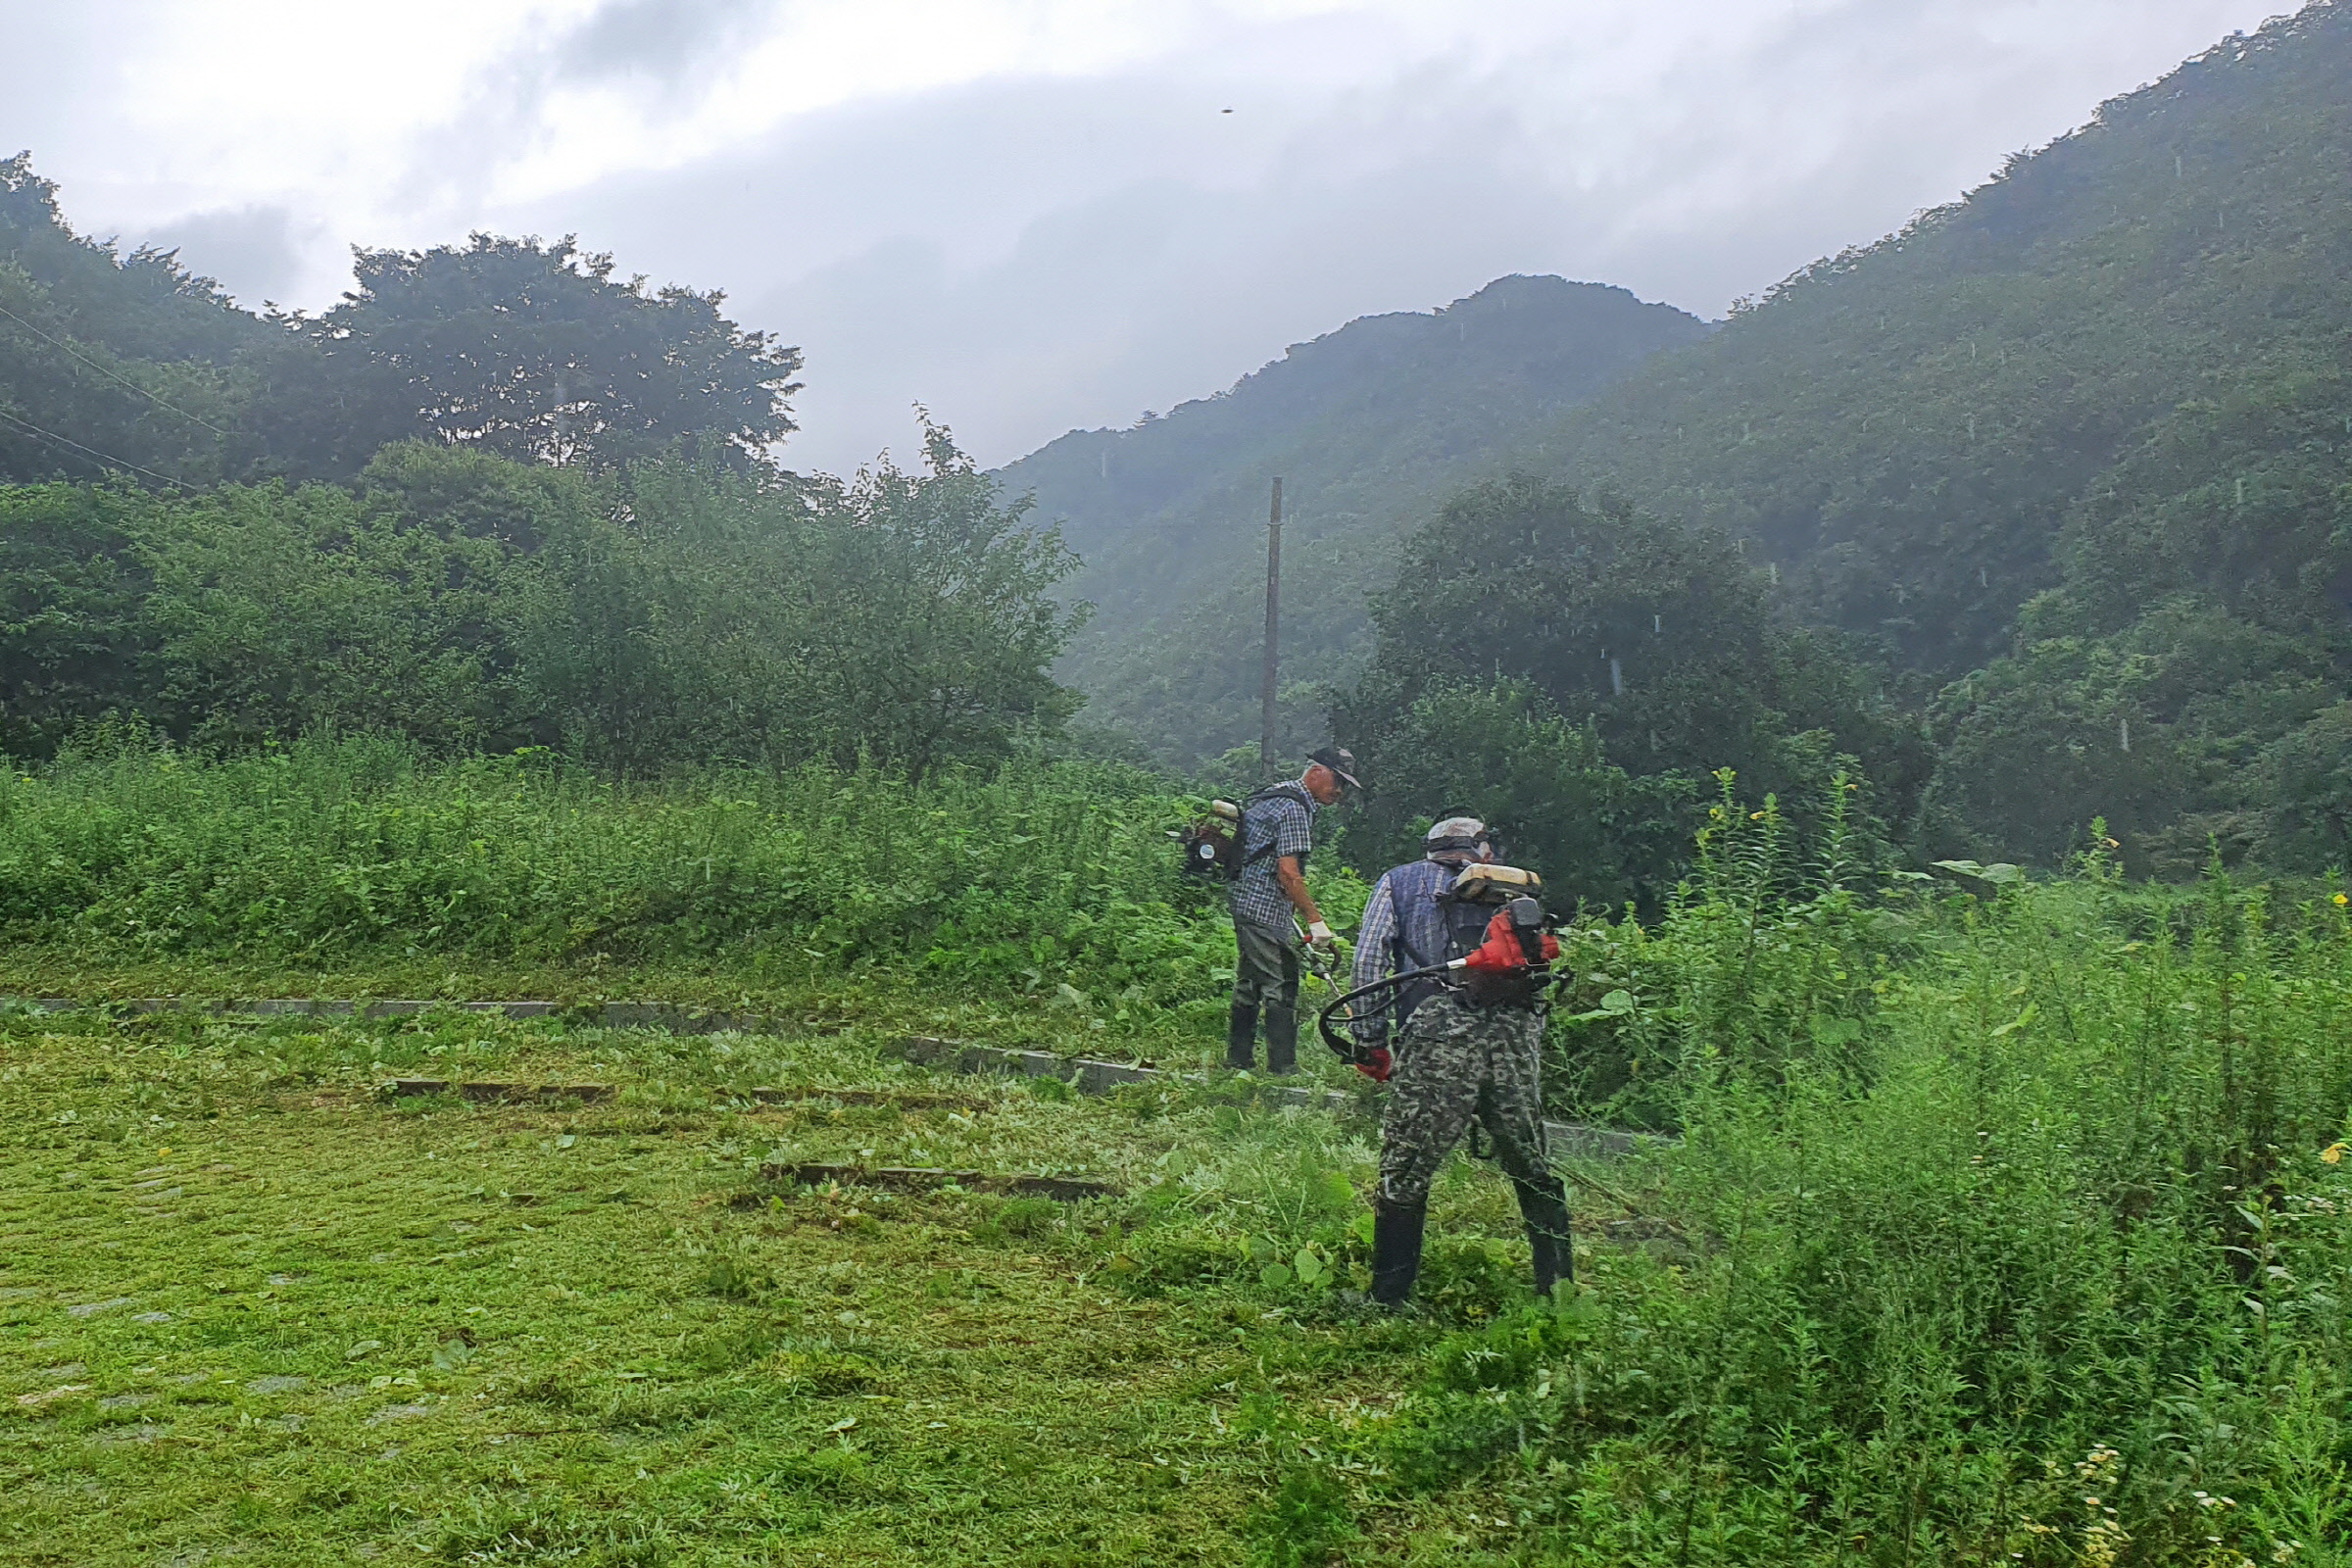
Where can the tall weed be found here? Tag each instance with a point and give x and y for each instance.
(1034, 877)
(2044, 1264)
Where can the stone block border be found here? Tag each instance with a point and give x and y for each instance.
(660, 1016)
(1084, 1074)
(1062, 1189)
(586, 1094)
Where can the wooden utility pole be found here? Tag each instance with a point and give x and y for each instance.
(1266, 681)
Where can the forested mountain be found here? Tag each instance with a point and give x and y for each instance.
(2060, 473)
(2077, 445)
(1370, 427)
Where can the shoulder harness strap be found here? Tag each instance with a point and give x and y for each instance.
(1288, 789)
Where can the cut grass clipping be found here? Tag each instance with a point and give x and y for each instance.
(257, 1308)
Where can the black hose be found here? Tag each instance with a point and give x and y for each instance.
(1347, 1047)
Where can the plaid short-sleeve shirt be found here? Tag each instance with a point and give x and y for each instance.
(1277, 824)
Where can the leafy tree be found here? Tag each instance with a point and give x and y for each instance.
(2307, 786)
(602, 623)
(110, 364)
(142, 306)
(533, 352)
(1504, 752)
(906, 620)
(276, 610)
(955, 625)
(1657, 637)
(71, 642)
(2037, 747)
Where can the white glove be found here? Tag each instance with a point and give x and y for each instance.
(1319, 935)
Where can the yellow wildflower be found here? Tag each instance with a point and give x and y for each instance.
(2342, 899)
(2334, 1153)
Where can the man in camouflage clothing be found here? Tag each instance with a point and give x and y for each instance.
(1457, 1058)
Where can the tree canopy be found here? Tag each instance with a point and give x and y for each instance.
(131, 366)
(109, 363)
(534, 351)
(1636, 654)
(670, 612)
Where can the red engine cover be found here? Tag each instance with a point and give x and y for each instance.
(1501, 949)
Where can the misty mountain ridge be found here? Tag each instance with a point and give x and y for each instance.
(1368, 426)
(2066, 466)
(2071, 462)
(1905, 427)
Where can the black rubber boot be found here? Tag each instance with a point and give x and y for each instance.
(1544, 1207)
(1282, 1040)
(1395, 1250)
(1241, 1037)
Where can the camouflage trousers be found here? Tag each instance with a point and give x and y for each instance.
(1455, 1062)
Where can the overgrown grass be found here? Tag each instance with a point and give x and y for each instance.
(2046, 1261)
(2004, 1226)
(1043, 887)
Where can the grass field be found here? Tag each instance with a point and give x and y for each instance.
(2009, 1221)
(257, 1313)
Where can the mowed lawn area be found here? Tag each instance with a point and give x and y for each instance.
(255, 1308)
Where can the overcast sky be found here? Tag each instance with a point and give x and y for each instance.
(1034, 214)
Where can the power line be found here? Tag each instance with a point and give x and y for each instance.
(54, 439)
(60, 446)
(103, 370)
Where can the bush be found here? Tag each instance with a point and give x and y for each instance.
(2071, 1227)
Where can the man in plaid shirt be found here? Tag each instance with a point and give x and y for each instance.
(1276, 836)
(1403, 928)
(1458, 1063)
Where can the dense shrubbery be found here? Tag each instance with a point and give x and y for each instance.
(1038, 876)
(672, 613)
(2009, 1228)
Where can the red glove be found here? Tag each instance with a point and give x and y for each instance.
(1377, 1064)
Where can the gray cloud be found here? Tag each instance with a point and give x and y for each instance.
(253, 252)
(52, 58)
(657, 50)
(661, 44)
(1030, 252)
(1027, 256)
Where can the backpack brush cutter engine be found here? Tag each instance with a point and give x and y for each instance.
(1501, 950)
(1213, 845)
